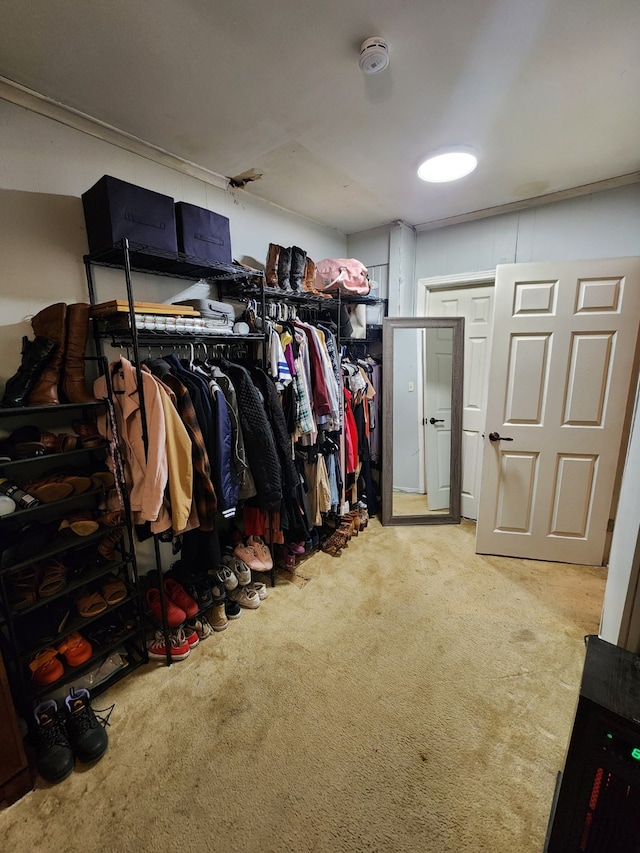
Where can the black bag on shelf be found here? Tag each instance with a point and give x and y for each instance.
(202, 233)
(114, 209)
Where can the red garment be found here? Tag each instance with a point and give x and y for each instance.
(256, 523)
(350, 433)
(320, 396)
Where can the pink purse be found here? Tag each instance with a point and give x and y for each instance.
(345, 274)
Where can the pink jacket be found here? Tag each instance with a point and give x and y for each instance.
(147, 478)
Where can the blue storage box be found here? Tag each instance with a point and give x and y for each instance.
(202, 233)
(114, 209)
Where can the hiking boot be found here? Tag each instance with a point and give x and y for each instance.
(87, 735)
(54, 754)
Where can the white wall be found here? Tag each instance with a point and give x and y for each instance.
(601, 225)
(45, 166)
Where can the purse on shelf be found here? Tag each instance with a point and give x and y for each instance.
(345, 274)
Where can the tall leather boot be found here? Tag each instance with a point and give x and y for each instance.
(35, 355)
(50, 323)
(73, 384)
(271, 269)
(298, 260)
(284, 269)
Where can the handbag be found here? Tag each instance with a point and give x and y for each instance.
(346, 274)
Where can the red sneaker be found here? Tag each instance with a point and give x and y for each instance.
(179, 646)
(178, 595)
(175, 615)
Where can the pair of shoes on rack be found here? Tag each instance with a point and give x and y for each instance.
(46, 666)
(238, 568)
(254, 554)
(178, 603)
(181, 641)
(249, 596)
(64, 734)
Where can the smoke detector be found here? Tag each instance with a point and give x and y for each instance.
(374, 55)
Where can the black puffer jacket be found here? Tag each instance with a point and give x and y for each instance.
(260, 444)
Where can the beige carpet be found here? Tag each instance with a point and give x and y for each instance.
(410, 697)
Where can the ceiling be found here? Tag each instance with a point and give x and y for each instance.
(546, 92)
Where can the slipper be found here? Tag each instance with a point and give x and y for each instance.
(90, 604)
(114, 590)
(54, 578)
(76, 649)
(81, 523)
(46, 667)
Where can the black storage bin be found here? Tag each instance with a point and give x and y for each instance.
(202, 233)
(114, 209)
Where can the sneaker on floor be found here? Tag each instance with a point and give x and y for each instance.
(260, 588)
(232, 609)
(200, 626)
(54, 754)
(240, 569)
(179, 647)
(246, 597)
(191, 636)
(217, 617)
(87, 735)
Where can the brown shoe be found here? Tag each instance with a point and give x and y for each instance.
(50, 323)
(81, 523)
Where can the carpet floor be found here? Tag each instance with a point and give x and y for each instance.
(408, 696)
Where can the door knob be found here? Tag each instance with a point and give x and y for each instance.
(436, 421)
(495, 436)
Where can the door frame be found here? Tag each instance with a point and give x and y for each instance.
(443, 282)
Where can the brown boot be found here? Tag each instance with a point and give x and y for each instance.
(73, 384)
(50, 323)
(271, 270)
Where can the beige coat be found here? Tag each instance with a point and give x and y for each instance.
(146, 476)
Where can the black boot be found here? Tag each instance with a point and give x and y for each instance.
(284, 269)
(88, 737)
(298, 262)
(55, 756)
(35, 356)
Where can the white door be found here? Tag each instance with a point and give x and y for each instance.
(437, 417)
(562, 365)
(475, 304)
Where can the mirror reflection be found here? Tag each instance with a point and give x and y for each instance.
(423, 397)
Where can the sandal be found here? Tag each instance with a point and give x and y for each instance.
(114, 590)
(90, 604)
(81, 523)
(54, 578)
(76, 649)
(47, 490)
(23, 586)
(46, 667)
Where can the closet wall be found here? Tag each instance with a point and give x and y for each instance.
(45, 166)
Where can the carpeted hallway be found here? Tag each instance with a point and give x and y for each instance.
(411, 697)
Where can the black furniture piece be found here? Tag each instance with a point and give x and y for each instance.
(596, 806)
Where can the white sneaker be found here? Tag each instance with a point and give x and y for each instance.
(246, 597)
(228, 578)
(260, 588)
(242, 572)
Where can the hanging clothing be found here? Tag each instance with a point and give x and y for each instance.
(147, 472)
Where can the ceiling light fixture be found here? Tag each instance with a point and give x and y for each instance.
(374, 55)
(448, 166)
